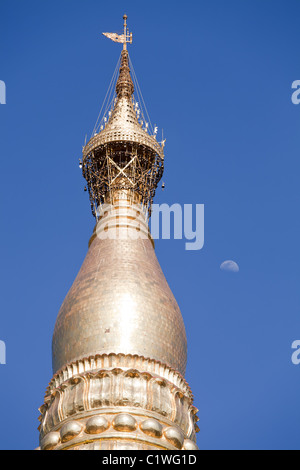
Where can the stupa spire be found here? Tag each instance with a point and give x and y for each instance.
(123, 155)
(124, 85)
(119, 343)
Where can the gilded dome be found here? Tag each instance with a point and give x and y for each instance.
(120, 302)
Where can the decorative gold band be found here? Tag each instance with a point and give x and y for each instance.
(115, 432)
(91, 400)
(124, 361)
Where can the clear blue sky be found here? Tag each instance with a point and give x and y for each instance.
(217, 77)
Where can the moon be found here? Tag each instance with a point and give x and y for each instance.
(230, 266)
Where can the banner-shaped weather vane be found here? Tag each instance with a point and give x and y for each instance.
(124, 38)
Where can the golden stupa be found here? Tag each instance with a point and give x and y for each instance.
(119, 344)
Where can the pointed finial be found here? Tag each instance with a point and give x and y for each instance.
(125, 32)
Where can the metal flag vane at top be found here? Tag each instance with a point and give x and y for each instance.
(124, 38)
